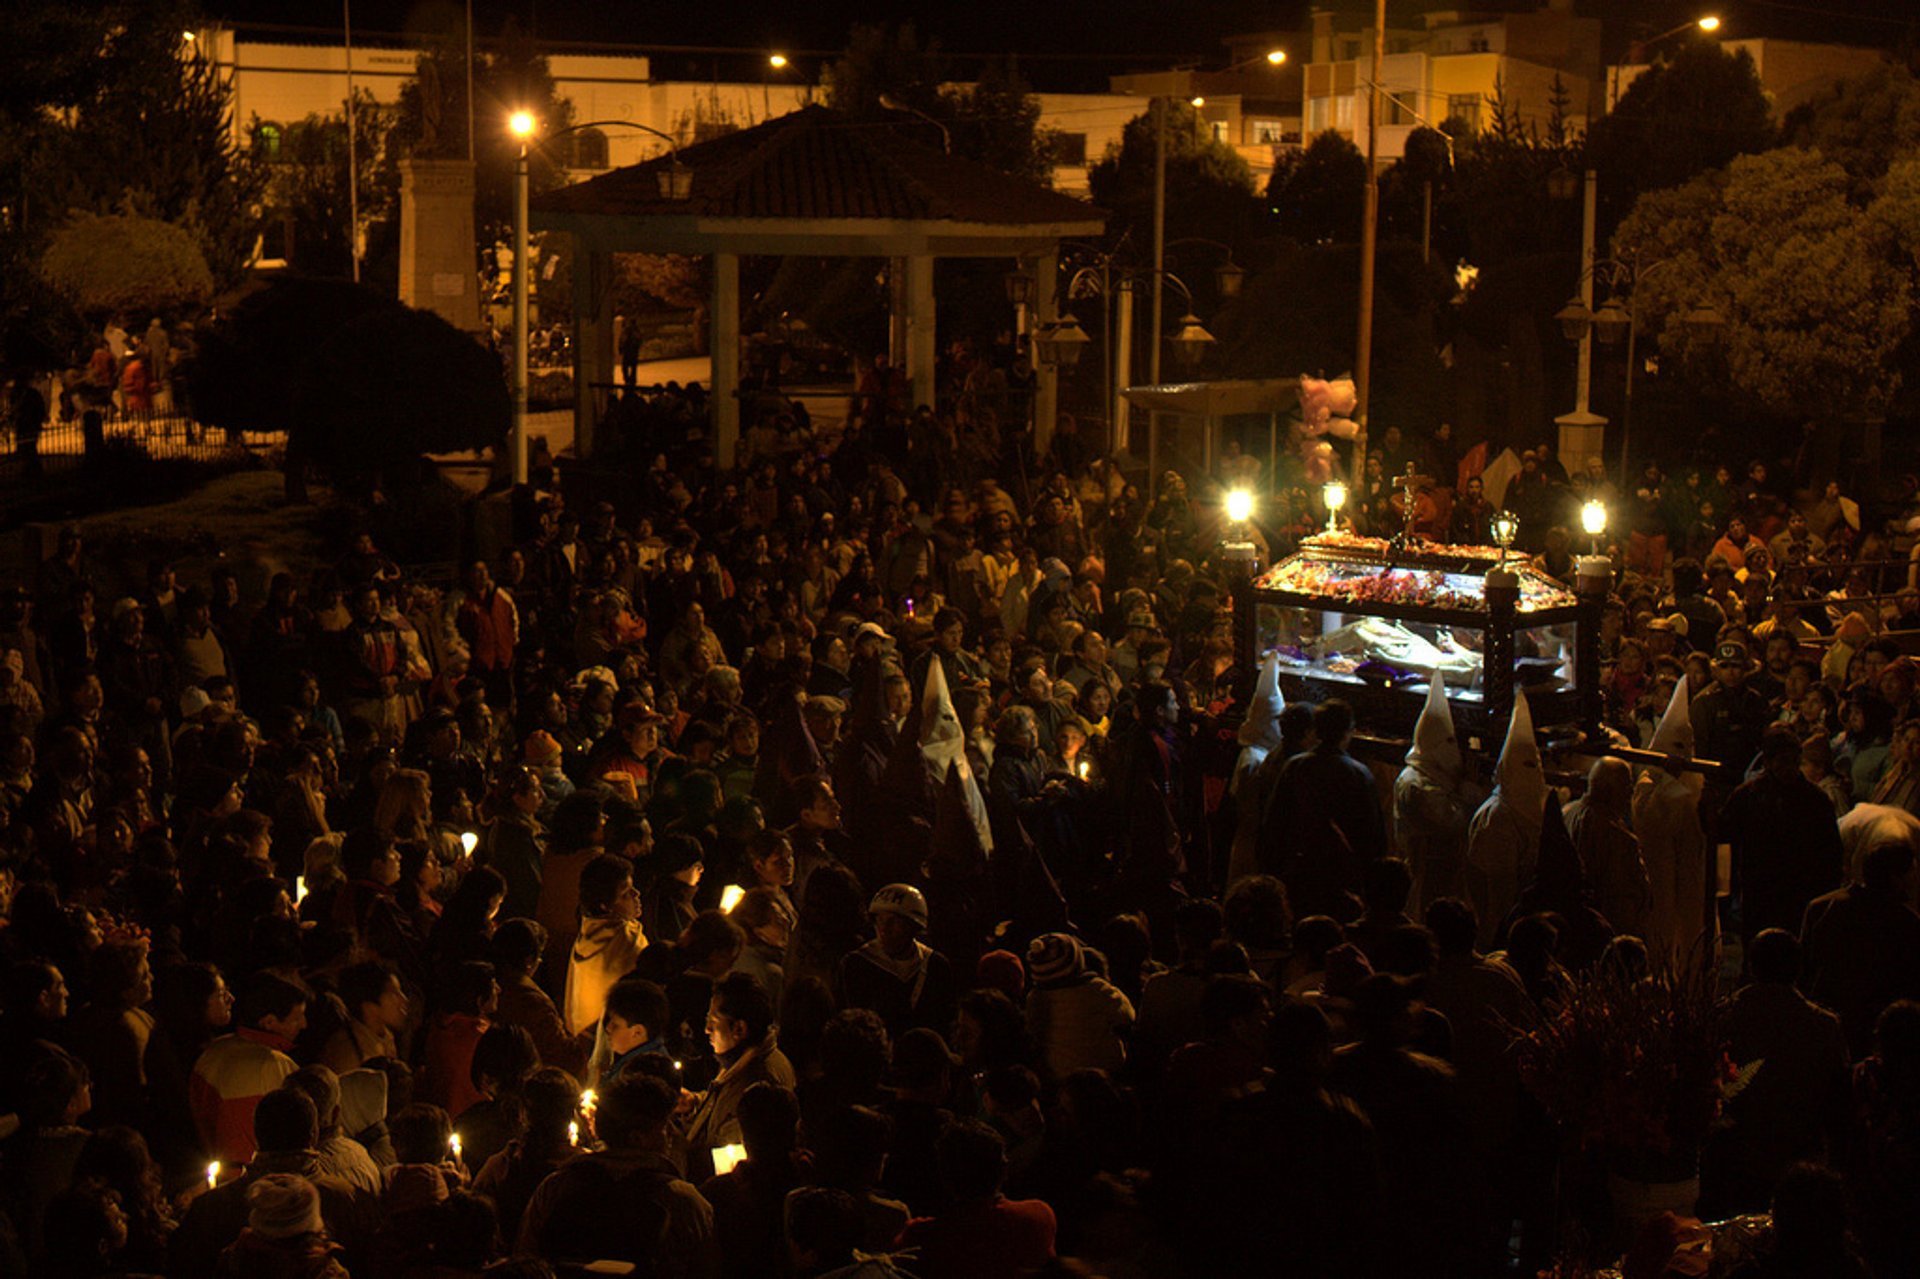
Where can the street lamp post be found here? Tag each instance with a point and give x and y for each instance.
(676, 183)
(1615, 320)
(521, 124)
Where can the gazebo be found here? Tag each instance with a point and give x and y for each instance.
(818, 183)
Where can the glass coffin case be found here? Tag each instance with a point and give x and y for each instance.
(1371, 620)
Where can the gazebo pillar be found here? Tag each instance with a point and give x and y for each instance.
(1046, 378)
(897, 314)
(725, 337)
(920, 337)
(592, 337)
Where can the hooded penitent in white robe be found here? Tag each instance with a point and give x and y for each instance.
(1666, 816)
(1433, 804)
(1866, 826)
(1252, 786)
(1503, 840)
(943, 743)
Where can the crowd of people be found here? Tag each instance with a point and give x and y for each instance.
(869, 862)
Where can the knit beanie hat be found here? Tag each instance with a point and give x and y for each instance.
(541, 749)
(1000, 970)
(282, 1205)
(1054, 957)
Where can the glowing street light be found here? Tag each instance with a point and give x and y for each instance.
(1709, 23)
(1239, 505)
(1593, 520)
(778, 61)
(1277, 57)
(1506, 527)
(1335, 497)
(522, 124)
(1198, 102)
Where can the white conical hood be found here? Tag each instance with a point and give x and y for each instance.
(1519, 778)
(1260, 730)
(1436, 751)
(943, 744)
(1674, 736)
(941, 737)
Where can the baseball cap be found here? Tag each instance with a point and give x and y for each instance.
(1730, 653)
(874, 629)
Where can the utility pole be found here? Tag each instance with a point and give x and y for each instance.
(353, 160)
(469, 81)
(1369, 236)
(1159, 266)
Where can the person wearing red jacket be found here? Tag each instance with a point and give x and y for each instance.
(237, 1070)
(489, 622)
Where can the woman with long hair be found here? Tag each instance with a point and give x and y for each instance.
(833, 923)
(464, 931)
(118, 1156)
(419, 884)
(405, 808)
(514, 842)
(191, 1004)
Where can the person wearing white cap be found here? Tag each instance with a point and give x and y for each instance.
(1503, 840)
(1433, 802)
(897, 975)
(1666, 816)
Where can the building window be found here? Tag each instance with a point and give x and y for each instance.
(1219, 128)
(1343, 112)
(1464, 109)
(1478, 45)
(1268, 131)
(1317, 115)
(587, 149)
(1067, 150)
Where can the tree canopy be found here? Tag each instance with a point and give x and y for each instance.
(1818, 290)
(1862, 123)
(430, 120)
(359, 382)
(155, 137)
(1679, 119)
(123, 263)
(994, 120)
(1318, 193)
(1210, 189)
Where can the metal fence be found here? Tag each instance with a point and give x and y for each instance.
(162, 434)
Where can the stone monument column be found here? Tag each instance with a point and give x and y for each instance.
(438, 270)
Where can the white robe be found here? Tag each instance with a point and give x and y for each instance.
(1666, 816)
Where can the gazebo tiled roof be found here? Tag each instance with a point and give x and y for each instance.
(818, 164)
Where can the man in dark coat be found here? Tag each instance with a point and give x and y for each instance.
(1729, 717)
(1325, 823)
(1786, 843)
(1863, 943)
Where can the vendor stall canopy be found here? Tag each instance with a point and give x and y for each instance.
(1217, 399)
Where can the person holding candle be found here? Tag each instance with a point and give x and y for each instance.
(626, 1202)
